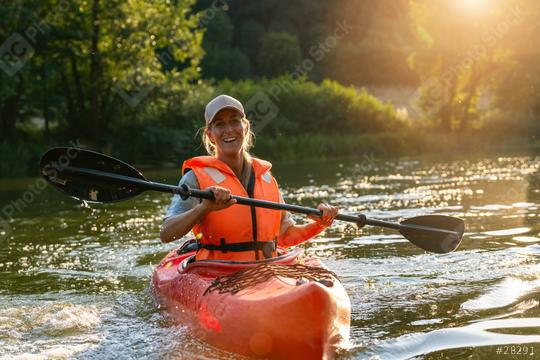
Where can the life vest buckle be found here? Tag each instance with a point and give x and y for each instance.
(188, 246)
(268, 248)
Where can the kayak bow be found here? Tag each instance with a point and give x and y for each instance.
(277, 314)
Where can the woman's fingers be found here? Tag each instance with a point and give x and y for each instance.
(328, 214)
(222, 198)
(221, 195)
(216, 194)
(332, 212)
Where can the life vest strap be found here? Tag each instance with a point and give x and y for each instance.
(267, 247)
(250, 191)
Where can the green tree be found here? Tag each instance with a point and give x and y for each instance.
(15, 61)
(459, 54)
(107, 56)
(225, 63)
(221, 59)
(279, 53)
(515, 89)
(374, 49)
(219, 29)
(249, 37)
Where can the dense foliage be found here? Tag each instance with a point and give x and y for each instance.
(297, 110)
(89, 63)
(368, 39)
(132, 77)
(473, 61)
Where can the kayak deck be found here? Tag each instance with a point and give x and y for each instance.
(278, 317)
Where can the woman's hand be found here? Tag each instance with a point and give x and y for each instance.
(329, 212)
(222, 199)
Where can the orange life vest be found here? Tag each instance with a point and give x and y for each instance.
(233, 228)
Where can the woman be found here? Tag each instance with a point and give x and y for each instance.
(224, 231)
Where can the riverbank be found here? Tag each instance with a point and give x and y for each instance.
(384, 145)
(20, 159)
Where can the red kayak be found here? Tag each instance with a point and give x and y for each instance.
(285, 307)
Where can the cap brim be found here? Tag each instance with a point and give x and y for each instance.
(222, 108)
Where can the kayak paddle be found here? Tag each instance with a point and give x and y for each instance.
(94, 177)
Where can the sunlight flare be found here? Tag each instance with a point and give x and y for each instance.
(474, 4)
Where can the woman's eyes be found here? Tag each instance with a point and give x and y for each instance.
(234, 122)
(219, 125)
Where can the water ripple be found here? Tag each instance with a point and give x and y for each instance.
(474, 335)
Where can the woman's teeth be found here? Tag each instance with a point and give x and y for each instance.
(228, 140)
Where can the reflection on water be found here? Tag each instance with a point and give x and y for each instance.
(74, 279)
(503, 294)
(474, 335)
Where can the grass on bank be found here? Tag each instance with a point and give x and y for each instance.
(311, 121)
(20, 158)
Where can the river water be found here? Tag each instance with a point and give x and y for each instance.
(75, 279)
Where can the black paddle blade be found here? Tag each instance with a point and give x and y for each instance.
(76, 172)
(436, 233)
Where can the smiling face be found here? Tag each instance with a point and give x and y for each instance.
(227, 132)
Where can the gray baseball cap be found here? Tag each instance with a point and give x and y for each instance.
(219, 103)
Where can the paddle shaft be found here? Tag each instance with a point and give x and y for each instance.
(184, 191)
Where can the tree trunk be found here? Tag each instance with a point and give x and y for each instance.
(105, 107)
(78, 86)
(45, 95)
(472, 90)
(96, 116)
(447, 109)
(72, 117)
(446, 119)
(10, 110)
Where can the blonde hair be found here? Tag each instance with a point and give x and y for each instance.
(249, 139)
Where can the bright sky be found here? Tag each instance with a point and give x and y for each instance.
(474, 4)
